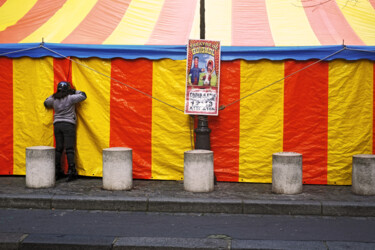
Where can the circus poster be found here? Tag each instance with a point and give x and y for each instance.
(202, 77)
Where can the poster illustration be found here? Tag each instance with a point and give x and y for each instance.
(202, 77)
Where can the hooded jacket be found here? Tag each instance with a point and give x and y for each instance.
(65, 107)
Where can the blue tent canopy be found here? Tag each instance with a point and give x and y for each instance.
(155, 52)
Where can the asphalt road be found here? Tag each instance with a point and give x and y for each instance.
(139, 224)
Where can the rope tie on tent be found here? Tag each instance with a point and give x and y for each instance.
(21, 50)
(150, 96)
(361, 50)
(221, 107)
(269, 85)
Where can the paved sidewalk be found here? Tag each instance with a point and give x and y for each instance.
(169, 196)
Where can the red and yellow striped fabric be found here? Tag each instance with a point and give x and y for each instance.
(324, 112)
(99, 21)
(173, 22)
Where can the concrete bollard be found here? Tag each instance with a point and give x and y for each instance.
(363, 174)
(117, 168)
(40, 167)
(287, 173)
(199, 170)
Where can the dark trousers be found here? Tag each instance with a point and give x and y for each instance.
(65, 135)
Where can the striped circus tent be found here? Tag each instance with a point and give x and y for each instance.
(172, 22)
(287, 83)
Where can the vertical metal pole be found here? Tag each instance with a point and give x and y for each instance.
(202, 21)
(202, 132)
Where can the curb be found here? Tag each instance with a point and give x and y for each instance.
(54, 241)
(195, 205)
(276, 207)
(360, 209)
(190, 205)
(99, 203)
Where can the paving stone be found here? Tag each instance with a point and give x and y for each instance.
(54, 241)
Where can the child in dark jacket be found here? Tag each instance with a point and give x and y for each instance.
(64, 121)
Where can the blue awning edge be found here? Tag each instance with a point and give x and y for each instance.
(178, 52)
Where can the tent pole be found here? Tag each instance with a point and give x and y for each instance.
(202, 132)
(202, 20)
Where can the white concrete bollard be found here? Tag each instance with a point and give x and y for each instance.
(199, 170)
(118, 168)
(40, 167)
(287, 173)
(363, 174)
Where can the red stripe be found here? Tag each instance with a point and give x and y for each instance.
(174, 23)
(40, 13)
(372, 3)
(329, 24)
(2, 2)
(62, 69)
(131, 112)
(250, 25)
(99, 23)
(306, 118)
(225, 137)
(6, 114)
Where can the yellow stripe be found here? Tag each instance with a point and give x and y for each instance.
(218, 20)
(261, 119)
(361, 17)
(289, 24)
(195, 29)
(170, 127)
(350, 117)
(32, 122)
(137, 24)
(13, 10)
(60, 25)
(93, 114)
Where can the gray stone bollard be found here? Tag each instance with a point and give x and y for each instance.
(287, 173)
(363, 174)
(118, 168)
(199, 170)
(40, 167)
